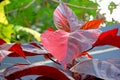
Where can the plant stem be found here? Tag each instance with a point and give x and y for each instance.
(82, 7)
(53, 60)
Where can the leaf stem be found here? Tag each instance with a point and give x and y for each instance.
(53, 60)
(90, 48)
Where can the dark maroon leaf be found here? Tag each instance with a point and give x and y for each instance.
(18, 71)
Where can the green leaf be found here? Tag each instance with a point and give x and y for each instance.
(31, 31)
(6, 31)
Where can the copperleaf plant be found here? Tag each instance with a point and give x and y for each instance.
(72, 40)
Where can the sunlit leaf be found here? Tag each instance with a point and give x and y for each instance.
(6, 32)
(3, 19)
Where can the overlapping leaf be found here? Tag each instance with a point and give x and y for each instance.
(13, 48)
(20, 70)
(17, 50)
(102, 69)
(66, 46)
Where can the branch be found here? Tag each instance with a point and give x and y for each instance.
(22, 8)
(82, 7)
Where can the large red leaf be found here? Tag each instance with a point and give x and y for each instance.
(98, 68)
(65, 19)
(66, 46)
(92, 24)
(109, 37)
(21, 70)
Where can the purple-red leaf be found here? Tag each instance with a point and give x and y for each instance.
(109, 37)
(65, 19)
(21, 70)
(33, 49)
(66, 46)
(101, 69)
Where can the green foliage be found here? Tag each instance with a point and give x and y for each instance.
(111, 7)
(84, 12)
(37, 16)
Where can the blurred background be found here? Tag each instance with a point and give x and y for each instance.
(28, 18)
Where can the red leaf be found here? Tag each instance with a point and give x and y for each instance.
(17, 49)
(66, 46)
(18, 71)
(65, 19)
(2, 41)
(50, 29)
(109, 37)
(92, 24)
